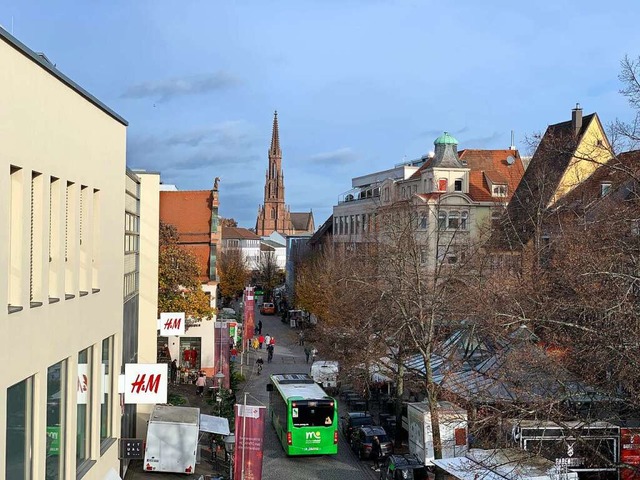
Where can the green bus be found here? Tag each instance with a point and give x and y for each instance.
(304, 416)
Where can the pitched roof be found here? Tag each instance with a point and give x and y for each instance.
(325, 230)
(270, 243)
(189, 212)
(492, 165)
(541, 180)
(302, 221)
(238, 233)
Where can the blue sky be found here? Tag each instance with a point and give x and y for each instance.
(359, 85)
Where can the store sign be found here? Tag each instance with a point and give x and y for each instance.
(83, 384)
(53, 440)
(172, 324)
(145, 382)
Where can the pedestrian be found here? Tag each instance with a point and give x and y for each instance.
(255, 330)
(375, 453)
(174, 372)
(307, 353)
(201, 382)
(259, 327)
(232, 343)
(254, 343)
(314, 352)
(301, 338)
(267, 339)
(272, 341)
(269, 353)
(260, 341)
(234, 354)
(259, 364)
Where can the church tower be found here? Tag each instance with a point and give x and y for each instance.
(274, 215)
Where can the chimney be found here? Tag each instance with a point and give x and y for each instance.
(576, 119)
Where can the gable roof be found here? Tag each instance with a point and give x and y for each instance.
(238, 233)
(189, 212)
(492, 165)
(302, 221)
(540, 182)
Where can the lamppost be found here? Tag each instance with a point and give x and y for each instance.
(229, 446)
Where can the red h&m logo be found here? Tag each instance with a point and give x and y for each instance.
(144, 384)
(172, 324)
(83, 384)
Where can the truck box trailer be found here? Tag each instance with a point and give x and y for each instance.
(172, 439)
(453, 430)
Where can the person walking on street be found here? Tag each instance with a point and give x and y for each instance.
(301, 338)
(314, 352)
(269, 353)
(259, 327)
(267, 339)
(201, 382)
(260, 341)
(174, 372)
(375, 453)
(307, 353)
(259, 364)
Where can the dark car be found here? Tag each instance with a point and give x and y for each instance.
(354, 420)
(403, 467)
(362, 441)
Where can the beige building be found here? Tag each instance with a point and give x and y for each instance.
(62, 176)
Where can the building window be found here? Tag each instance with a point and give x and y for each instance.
(464, 224)
(56, 408)
(16, 240)
(19, 434)
(106, 374)
(423, 221)
(447, 255)
(424, 255)
(496, 217)
(70, 240)
(95, 244)
(357, 224)
(83, 409)
(54, 237)
(457, 185)
(499, 191)
(605, 188)
(386, 194)
(442, 184)
(442, 220)
(430, 185)
(454, 221)
(273, 213)
(404, 192)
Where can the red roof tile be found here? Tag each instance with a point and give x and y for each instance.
(239, 233)
(492, 164)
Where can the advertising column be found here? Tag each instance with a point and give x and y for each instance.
(249, 442)
(221, 360)
(248, 316)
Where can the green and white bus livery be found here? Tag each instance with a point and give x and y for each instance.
(304, 416)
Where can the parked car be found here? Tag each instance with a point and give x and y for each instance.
(354, 420)
(268, 309)
(362, 440)
(403, 467)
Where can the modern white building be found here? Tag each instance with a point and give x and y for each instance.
(62, 160)
(244, 240)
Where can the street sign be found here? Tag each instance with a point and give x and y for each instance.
(131, 449)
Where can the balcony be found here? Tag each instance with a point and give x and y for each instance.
(357, 194)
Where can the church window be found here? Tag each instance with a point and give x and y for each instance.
(273, 213)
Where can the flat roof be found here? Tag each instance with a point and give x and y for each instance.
(306, 389)
(41, 62)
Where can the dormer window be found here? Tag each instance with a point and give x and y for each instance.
(605, 188)
(430, 185)
(457, 186)
(499, 191)
(442, 184)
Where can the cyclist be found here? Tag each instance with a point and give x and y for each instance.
(259, 364)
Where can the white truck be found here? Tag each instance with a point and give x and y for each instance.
(453, 430)
(325, 374)
(172, 438)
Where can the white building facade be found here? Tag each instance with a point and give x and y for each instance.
(62, 154)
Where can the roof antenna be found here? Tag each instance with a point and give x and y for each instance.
(513, 146)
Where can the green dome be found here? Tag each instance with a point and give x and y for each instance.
(445, 139)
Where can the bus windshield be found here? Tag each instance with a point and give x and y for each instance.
(306, 415)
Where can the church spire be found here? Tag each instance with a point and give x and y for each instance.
(275, 138)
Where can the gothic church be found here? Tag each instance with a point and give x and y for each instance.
(274, 214)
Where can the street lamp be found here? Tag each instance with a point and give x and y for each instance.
(229, 446)
(219, 377)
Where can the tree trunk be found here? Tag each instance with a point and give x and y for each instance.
(432, 400)
(398, 401)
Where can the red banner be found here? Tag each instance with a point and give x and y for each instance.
(249, 442)
(221, 360)
(248, 316)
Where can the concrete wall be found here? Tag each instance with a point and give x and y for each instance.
(51, 128)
